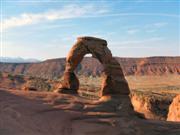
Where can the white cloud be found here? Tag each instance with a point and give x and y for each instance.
(72, 11)
(67, 12)
(136, 14)
(160, 24)
(132, 31)
(132, 42)
(151, 28)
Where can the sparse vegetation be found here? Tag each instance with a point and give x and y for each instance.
(1, 75)
(38, 84)
(11, 77)
(90, 87)
(19, 78)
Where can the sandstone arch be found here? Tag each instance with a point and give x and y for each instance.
(113, 81)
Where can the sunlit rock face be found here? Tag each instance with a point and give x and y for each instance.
(174, 110)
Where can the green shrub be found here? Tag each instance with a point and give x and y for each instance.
(11, 77)
(39, 84)
(19, 78)
(1, 75)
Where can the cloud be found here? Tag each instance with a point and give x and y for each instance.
(70, 12)
(150, 28)
(143, 41)
(135, 14)
(67, 12)
(132, 31)
(160, 24)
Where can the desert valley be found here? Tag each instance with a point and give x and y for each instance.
(89, 67)
(29, 105)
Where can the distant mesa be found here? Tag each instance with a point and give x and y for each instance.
(17, 60)
(54, 68)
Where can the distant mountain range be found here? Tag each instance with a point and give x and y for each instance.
(17, 60)
(54, 68)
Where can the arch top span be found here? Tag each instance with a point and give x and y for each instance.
(92, 38)
(113, 82)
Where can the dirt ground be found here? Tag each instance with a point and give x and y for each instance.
(47, 113)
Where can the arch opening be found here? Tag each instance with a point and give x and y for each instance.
(90, 77)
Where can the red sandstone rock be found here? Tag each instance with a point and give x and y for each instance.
(114, 80)
(174, 110)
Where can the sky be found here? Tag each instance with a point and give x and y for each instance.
(45, 29)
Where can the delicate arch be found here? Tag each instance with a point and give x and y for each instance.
(113, 81)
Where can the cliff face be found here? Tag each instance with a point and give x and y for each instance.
(152, 105)
(174, 110)
(54, 68)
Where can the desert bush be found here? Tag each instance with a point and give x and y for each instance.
(11, 77)
(19, 78)
(31, 78)
(1, 75)
(38, 84)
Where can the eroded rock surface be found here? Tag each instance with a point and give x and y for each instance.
(174, 110)
(114, 81)
(152, 105)
(47, 113)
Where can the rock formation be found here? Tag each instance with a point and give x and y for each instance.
(174, 110)
(42, 113)
(152, 105)
(114, 80)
